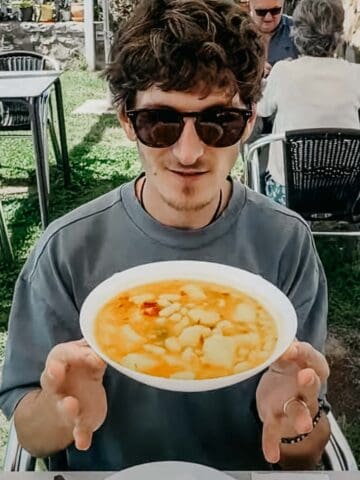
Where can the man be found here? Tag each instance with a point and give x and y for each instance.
(275, 28)
(185, 75)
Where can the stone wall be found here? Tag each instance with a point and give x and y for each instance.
(63, 41)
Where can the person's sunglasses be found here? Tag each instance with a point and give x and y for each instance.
(162, 127)
(262, 12)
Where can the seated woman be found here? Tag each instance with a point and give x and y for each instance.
(314, 91)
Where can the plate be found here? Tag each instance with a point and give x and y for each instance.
(169, 471)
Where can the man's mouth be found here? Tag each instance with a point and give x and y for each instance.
(188, 173)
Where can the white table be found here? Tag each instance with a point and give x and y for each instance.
(235, 475)
(30, 88)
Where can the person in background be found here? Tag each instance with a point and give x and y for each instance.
(275, 28)
(185, 75)
(313, 91)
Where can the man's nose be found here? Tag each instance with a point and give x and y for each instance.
(189, 148)
(268, 17)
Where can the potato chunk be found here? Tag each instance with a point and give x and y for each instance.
(138, 361)
(191, 336)
(205, 317)
(189, 356)
(247, 340)
(194, 292)
(219, 351)
(155, 349)
(244, 312)
(180, 326)
(128, 338)
(226, 327)
(172, 344)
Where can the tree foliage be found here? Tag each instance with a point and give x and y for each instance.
(121, 10)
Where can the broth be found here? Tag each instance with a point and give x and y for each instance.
(185, 329)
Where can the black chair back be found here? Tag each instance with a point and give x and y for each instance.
(22, 60)
(15, 115)
(322, 173)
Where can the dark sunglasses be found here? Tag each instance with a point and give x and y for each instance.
(262, 12)
(162, 127)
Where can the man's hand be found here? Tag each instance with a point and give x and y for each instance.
(72, 380)
(298, 374)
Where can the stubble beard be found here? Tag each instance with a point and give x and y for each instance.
(187, 204)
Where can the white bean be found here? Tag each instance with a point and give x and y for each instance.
(167, 311)
(145, 297)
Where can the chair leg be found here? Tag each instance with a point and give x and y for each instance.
(37, 128)
(54, 143)
(5, 245)
(62, 132)
(53, 137)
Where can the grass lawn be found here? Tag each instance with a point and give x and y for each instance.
(100, 162)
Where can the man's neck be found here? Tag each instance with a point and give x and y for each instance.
(171, 217)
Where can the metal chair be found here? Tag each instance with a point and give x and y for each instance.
(5, 245)
(322, 173)
(14, 115)
(337, 456)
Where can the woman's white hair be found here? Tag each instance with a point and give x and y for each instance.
(318, 27)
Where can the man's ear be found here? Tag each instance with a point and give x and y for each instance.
(250, 125)
(126, 125)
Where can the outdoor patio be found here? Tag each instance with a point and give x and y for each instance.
(101, 159)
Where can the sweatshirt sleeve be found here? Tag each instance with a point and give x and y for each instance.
(43, 314)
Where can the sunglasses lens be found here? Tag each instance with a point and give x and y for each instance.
(275, 11)
(158, 128)
(221, 128)
(262, 12)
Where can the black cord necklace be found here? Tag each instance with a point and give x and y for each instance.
(214, 217)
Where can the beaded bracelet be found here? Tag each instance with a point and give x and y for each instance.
(315, 421)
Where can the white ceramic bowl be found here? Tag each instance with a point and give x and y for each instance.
(269, 296)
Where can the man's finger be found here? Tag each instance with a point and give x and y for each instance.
(77, 354)
(309, 382)
(82, 437)
(271, 441)
(304, 356)
(69, 407)
(299, 416)
(53, 376)
(308, 357)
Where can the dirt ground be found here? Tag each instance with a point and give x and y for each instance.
(343, 354)
(344, 382)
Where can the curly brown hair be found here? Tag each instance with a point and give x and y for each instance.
(186, 45)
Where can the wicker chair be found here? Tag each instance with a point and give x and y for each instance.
(322, 173)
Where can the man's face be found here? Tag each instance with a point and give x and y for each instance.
(187, 175)
(269, 22)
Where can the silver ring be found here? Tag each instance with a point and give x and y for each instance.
(294, 399)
